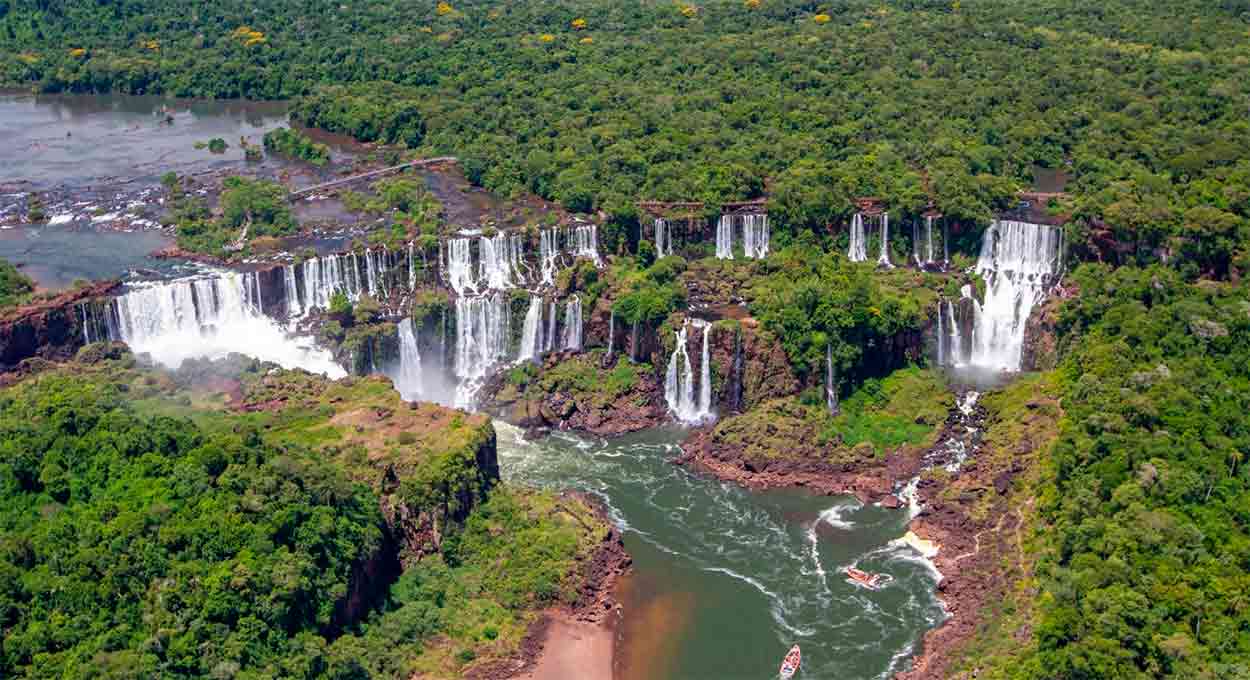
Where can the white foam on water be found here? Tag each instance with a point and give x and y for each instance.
(833, 516)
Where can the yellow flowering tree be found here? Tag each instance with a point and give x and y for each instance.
(689, 10)
(249, 37)
(821, 18)
(443, 9)
(579, 24)
(547, 38)
(752, 4)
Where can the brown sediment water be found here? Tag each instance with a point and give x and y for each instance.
(649, 636)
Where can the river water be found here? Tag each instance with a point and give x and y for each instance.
(725, 579)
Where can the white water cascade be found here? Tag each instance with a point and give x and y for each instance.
(407, 378)
(483, 331)
(531, 332)
(858, 252)
(583, 241)
(573, 324)
(460, 274)
(883, 259)
(755, 235)
(831, 389)
(663, 238)
(325, 276)
(679, 381)
(499, 261)
(928, 228)
(1019, 262)
(548, 254)
(725, 238)
(210, 317)
(550, 342)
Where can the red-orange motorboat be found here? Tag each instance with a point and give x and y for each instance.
(865, 579)
(790, 665)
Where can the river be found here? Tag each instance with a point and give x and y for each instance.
(725, 579)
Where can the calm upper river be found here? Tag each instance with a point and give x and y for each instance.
(725, 579)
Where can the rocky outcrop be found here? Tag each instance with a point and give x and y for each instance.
(571, 391)
(53, 328)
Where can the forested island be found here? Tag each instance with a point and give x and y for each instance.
(417, 348)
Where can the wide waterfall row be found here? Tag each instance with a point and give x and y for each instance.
(754, 236)
(679, 383)
(210, 316)
(554, 244)
(1019, 262)
(310, 284)
(500, 263)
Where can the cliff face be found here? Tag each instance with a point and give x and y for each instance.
(1041, 340)
(53, 329)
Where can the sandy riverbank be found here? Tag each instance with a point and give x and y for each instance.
(573, 649)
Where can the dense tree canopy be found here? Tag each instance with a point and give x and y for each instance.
(1143, 104)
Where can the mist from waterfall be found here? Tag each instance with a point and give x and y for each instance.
(211, 316)
(679, 381)
(858, 252)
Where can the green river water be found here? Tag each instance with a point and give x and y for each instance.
(725, 579)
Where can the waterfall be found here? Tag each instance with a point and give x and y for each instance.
(725, 238)
(325, 276)
(375, 267)
(705, 375)
(1018, 262)
(663, 238)
(928, 227)
(499, 261)
(408, 378)
(460, 266)
(483, 331)
(884, 258)
(679, 381)
(831, 388)
(583, 241)
(611, 330)
(858, 251)
(531, 332)
(548, 254)
(573, 324)
(291, 288)
(941, 336)
(954, 343)
(755, 235)
(209, 316)
(551, 328)
(412, 268)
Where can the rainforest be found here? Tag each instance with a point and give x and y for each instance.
(620, 340)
